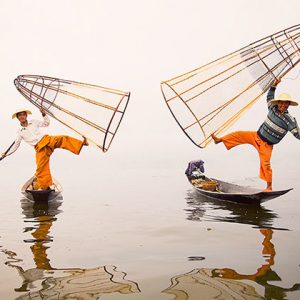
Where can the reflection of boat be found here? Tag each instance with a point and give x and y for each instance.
(207, 209)
(33, 210)
(41, 195)
(236, 193)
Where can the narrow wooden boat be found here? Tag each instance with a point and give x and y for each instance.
(41, 195)
(235, 193)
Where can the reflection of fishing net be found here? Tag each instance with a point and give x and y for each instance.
(90, 110)
(212, 97)
(202, 282)
(80, 284)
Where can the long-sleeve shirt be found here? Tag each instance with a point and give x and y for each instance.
(30, 134)
(277, 124)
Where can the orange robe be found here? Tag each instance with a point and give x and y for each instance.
(45, 148)
(252, 138)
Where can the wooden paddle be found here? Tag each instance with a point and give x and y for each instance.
(7, 151)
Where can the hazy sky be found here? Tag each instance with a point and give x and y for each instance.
(130, 45)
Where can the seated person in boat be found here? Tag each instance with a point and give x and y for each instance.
(271, 132)
(44, 145)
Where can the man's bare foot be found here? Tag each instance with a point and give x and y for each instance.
(85, 142)
(268, 189)
(216, 139)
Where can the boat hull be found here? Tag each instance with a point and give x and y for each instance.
(239, 194)
(41, 195)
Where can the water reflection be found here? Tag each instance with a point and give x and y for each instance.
(47, 282)
(201, 208)
(227, 283)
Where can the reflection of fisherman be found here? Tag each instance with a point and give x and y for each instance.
(41, 236)
(43, 144)
(44, 215)
(271, 132)
(268, 249)
(226, 283)
(39, 255)
(46, 282)
(263, 274)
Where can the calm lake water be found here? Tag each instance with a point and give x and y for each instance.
(143, 234)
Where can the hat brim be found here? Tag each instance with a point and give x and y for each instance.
(17, 112)
(292, 103)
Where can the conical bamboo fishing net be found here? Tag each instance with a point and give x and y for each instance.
(90, 110)
(212, 97)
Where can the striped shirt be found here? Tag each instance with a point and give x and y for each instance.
(277, 124)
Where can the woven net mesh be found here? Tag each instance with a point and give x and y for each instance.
(90, 110)
(212, 97)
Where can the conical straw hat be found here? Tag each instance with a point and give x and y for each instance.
(284, 97)
(21, 110)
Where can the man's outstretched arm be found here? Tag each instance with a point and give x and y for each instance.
(271, 92)
(46, 121)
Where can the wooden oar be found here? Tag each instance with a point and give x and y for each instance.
(7, 151)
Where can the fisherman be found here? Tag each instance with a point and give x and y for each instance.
(44, 145)
(271, 132)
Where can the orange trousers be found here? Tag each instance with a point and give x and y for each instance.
(45, 148)
(252, 138)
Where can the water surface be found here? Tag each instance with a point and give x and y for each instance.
(147, 235)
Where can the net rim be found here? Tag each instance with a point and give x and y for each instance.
(127, 97)
(176, 119)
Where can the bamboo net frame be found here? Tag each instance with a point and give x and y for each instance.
(90, 110)
(213, 97)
